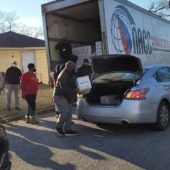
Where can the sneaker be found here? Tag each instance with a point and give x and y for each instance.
(33, 120)
(57, 114)
(27, 119)
(72, 123)
(60, 132)
(71, 133)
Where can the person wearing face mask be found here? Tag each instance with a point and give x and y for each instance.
(12, 81)
(85, 69)
(29, 87)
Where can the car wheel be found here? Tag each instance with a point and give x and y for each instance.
(162, 116)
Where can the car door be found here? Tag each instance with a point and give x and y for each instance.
(163, 78)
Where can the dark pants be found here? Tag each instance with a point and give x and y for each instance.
(30, 99)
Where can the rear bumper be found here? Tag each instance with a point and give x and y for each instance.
(129, 111)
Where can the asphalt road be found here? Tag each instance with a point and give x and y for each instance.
(37, 147)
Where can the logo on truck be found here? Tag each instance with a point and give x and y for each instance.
(126, 36)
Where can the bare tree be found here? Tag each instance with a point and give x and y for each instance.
(2, 22)
(11, 19)
(9, 22)
(31, 31)
(161, 8)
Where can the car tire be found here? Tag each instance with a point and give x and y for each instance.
(162, 116)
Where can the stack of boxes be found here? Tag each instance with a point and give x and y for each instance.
(98, 48)
(82, 53)
(87, 52)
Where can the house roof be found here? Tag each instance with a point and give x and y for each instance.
(14, 40)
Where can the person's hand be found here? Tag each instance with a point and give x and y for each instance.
(78, 91)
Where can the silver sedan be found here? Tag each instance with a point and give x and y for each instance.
(124, 93)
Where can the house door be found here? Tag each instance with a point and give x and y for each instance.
(27, 57)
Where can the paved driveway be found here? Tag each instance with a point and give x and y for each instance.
(37, 147)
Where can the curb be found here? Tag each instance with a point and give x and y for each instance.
(21, 116)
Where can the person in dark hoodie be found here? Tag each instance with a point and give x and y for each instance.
(12, 84)
(64, 96)
(65, 49)
(85, 69)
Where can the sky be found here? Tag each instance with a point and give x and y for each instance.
(29, 11)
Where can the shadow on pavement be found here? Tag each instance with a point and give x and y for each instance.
(135, 144)
(33, 152)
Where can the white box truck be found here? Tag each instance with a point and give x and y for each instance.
(105, 26)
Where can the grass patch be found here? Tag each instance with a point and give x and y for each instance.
(43, 102)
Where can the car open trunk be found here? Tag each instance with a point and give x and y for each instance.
(109, 93)
(115, 75)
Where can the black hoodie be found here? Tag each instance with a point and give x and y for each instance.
(13, 75)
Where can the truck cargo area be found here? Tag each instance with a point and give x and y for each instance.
(109, 93)
(80, 25)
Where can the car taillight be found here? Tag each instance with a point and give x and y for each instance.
(137, 94)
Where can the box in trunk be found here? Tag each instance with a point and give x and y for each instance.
(110, 99)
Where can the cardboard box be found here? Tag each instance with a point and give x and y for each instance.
(84, 84)
(98, 52)
(84, 52)
(98, 46)
(98, 43)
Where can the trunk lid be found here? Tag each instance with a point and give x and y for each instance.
(116, 63)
